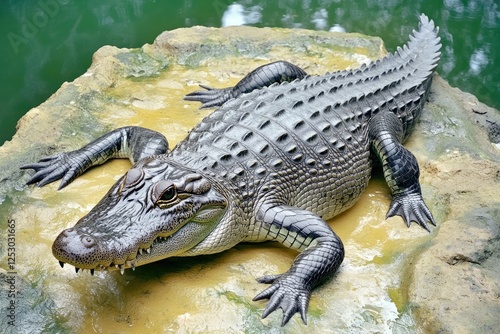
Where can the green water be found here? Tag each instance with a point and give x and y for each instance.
(46, 42)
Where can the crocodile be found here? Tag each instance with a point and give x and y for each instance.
(282, 153)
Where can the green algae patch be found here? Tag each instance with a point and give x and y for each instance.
(138, 64)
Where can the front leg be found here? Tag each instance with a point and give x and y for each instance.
(130, 142)
(322, 254)
(263, 76)
(401, 170)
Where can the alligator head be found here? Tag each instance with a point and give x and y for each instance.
(156, 210)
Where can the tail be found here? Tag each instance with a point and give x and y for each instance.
(423, 47)
(406, 74)
(420, 57)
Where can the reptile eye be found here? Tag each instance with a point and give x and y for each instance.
(168, 194)
(164, 193)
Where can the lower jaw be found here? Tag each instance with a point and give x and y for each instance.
(120, 267)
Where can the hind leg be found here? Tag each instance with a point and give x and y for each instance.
(401, 170)
(262, 76)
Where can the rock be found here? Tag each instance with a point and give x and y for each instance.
(455, 286)
(393, 279)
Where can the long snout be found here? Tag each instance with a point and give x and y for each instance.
(76, 248)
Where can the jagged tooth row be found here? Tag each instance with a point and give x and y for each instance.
(141, 250)
(120, 267)
(148, 250)
(82, 270)
(129, 263)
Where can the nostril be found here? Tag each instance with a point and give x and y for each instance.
(87, 241)
(69, 231)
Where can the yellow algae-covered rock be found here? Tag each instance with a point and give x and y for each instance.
(377, 289)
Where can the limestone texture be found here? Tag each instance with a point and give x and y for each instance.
(394, 279)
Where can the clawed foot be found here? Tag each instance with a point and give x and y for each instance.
(286, 293)
(65, 166)
(210, 97)
(412, 208)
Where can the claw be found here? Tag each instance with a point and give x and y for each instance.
(268, 279)
(209, 97)
(303, 309)
(266, 293)
(40, 174)
(206, 87)
(293, 308)
(64, 166)
(53, 176)
(273, 303)
(288, 312)
(285, 293)
(49, 158)
(411, 207)
(68, 178)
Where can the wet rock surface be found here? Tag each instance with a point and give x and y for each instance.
(393, 279)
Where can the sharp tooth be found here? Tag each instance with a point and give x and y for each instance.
(122, 268)
(148, 250)
(61, 264)
(92, 272)
(117, 266)
(140, 251)
(76, 269)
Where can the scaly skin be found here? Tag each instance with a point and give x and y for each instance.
(273, 162)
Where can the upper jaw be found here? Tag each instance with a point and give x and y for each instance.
(84, 250)
(140, 257)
